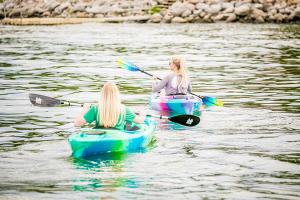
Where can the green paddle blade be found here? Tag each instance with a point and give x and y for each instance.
(211, 101)
(127, 65)
(185, 120)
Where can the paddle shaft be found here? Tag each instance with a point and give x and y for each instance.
(45, 101)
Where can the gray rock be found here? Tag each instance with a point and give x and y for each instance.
(227, 5)
(295, 13)
(186, 13)
(35, 12)
(214, 9)
(260, 19)
(98, 9)
(229, 10)
(167, 18)
(178, 8)
(255, 13)
(257, 6)
(79, 7)
(202, 6)
(178, 20)
(156, 18)
(279, 17)
(207, 18)
(219, 17)
(242, 10)
(62, 7)
(193, 1)
(51, 5)
(231, 17)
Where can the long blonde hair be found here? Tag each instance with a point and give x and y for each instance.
(110, 106)
(181, 71)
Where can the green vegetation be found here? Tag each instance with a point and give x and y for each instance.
(154, 9)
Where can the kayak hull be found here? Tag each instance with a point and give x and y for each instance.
(181, 104)
(90, 142)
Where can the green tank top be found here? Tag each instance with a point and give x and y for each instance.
(92, 115)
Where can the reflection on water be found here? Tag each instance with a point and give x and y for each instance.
(247, 149)
(97, 165)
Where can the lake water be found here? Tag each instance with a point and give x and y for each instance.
(248, 149)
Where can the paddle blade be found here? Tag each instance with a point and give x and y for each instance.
(128, 65)
(185, 120)
(211, 101)
(44, 101)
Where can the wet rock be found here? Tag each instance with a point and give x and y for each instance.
(156, 18)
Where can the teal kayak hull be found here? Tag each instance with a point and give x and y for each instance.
(90, 141)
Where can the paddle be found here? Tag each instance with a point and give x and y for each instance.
(45, 101)
(207, 101)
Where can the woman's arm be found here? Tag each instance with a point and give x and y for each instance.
(189, 89)
(156, 87)
(79, 120)
(139, 119)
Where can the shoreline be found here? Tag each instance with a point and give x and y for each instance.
(60, 21)
(52, 12)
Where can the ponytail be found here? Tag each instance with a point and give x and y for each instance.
(183, 79)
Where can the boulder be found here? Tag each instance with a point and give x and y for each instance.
(242, 10)
(156, 18)
(51, 5)
(256, 13)
(186, 13)
(227, 5)
(279, 17)
(167, 18)
(193, 1)
(214, 9)
(178, 20)
(62, 7)
(219, 17)
(229, 10)
(202, 6)
(231, 17)
(178, 8)
(79, 7)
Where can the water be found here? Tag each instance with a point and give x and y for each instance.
(247, 149)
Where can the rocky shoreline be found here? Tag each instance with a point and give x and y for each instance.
(27, 12)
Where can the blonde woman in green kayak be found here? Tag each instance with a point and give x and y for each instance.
(109, 112)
